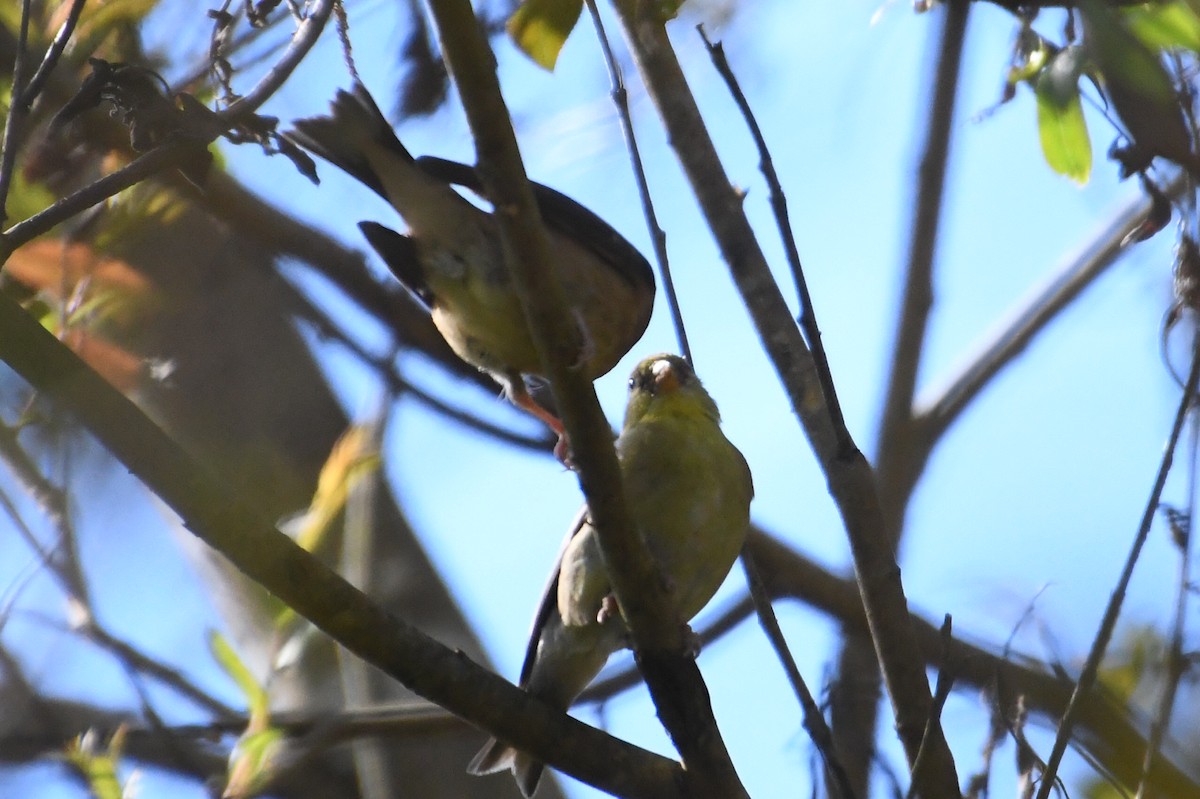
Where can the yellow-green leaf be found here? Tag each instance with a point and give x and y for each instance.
(1171, 25)
(352, 458)
(1061, 126)
(252, 763)
(256, 696)
(540, 28)
(98, 769)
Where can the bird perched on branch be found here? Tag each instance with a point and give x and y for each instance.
(452, 259)
(688, 490)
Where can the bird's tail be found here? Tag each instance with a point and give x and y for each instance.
(342, 138)
(496, 756)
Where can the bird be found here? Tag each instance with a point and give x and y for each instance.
(452, 258)
(688, 490)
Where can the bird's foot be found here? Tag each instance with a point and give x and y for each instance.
(608, 609)
(562, 451)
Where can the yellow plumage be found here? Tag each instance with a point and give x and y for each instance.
(452, 260)
(688, 490)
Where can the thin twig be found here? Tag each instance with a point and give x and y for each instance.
(945, 683)
(849, 475)
(1176, 665)
(53, 53)
(16, 112)
(814, 721)
(141, 663)
(620, 98)
(944, 405)
(1087, 676)
(898, 464)
(170, 152)
(303, 39)
(808, 314)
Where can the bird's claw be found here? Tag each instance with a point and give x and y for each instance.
(608, 609)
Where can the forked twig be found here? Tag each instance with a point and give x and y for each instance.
(1091, 666)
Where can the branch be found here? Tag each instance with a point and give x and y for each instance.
(899, 463)
(660, 640)
(850, 478)
(1087, 677)
(946, 404)
(1108, 733)
(171, 152)
(234, 527)
(620, 99)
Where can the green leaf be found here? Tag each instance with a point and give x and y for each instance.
(1136, 84)
(252, 763)
(98, 769)
(1160, 27)
(225, 656)
(540, 28)
(1061, 126)
(1122, 59)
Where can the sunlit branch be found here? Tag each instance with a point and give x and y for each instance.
(945, 404)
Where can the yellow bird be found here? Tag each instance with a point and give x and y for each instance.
(688, 490)
(452, 260)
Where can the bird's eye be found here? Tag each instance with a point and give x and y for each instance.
(642, 381)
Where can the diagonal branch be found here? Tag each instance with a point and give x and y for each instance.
(850, 478)
(944, 405)
(1091, 667)
(234, 527)
(660, 640)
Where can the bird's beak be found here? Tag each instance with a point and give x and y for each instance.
(666, 377)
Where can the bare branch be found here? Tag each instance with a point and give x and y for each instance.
(657, 235)
(233, 526)
(660, 640)
(1087, 677)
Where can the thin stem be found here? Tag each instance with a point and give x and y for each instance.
(808, 314)
(1087, 676)
(814, 721)
(16, 112)
(620, 99)
(850, 478)
(50, 59)
(1176, 664)
(897, 470)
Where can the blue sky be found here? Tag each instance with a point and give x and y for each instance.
(1033, 495)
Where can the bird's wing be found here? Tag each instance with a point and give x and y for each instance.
(549, 601)
(400, 254)
(562, 215)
